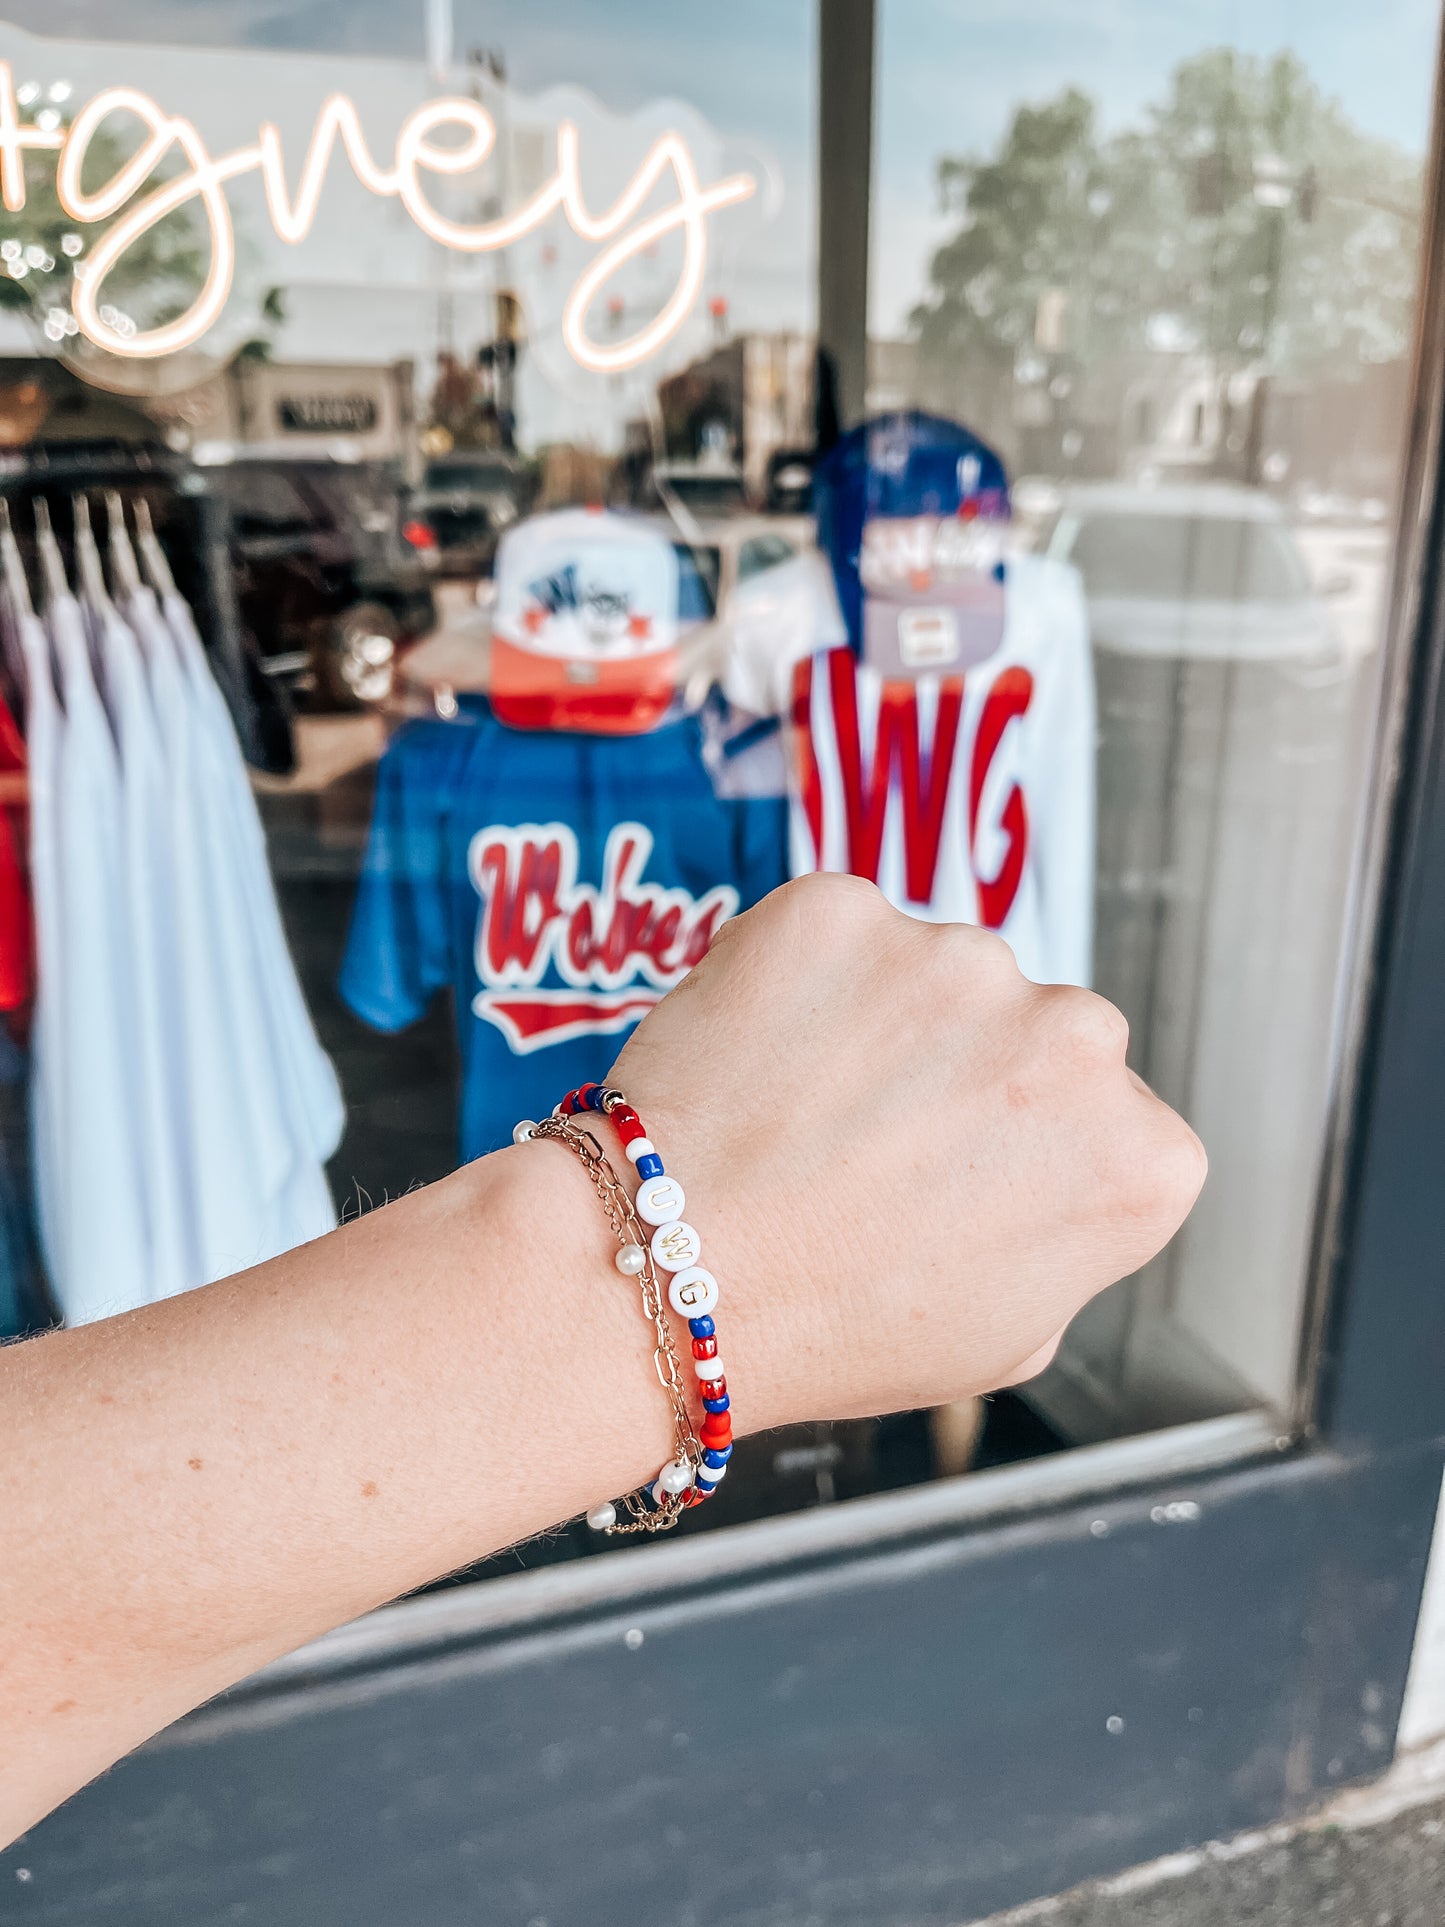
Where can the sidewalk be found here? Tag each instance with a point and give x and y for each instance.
(1373, 1858)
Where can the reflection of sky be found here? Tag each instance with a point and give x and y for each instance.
(951, 72)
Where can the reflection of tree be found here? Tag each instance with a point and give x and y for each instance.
(1246, 219)
(155, 280)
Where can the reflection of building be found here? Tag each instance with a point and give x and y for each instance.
(294, 410)
(755, 392)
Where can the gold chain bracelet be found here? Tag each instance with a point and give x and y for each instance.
(613, 1195)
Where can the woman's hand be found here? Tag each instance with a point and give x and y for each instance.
(909, 1165)
(909, 1168)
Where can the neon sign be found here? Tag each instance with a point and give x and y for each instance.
(416, 153)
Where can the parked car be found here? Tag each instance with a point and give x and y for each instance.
(465, 501)
(702, 491)
(326, 586)
(1207, 570)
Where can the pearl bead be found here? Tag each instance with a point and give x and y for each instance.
(660, 1201)
(630, 1259)
(602, 1516)
(708, 1369)
(676, 1477)
(521, 1133)
(676, 1247)
(692, 1292)
(641, 1147)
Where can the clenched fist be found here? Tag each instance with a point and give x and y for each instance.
(910, 1166)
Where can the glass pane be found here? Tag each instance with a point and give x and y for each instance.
(506, 555)
(1165, 264)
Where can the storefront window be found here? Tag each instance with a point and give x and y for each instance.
(473, 510)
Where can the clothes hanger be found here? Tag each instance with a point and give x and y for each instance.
(52, 562)
(17, 583)
(87, 556)
(124, 569)
(152, 555)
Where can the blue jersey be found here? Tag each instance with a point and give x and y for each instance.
(559, 883)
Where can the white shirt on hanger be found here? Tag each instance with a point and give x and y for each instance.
(101, 1260)
(162, 1097)
(310, 1071)
(258, 1184)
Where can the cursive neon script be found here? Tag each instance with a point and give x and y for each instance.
(416, 154)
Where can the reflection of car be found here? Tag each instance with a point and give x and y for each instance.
(700, 490)
(464, 503)
(1209, 571)
(788, 487)
(326, 586)
(728, 555)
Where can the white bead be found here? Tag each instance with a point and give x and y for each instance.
(522, 1132)
(676, 1477)
(712, 1473)
(602, 1516)
(676, 1246)
(641, 1147)
(707, 1368)
(656, 1493)
(630, 1259)
(660, 1201)
(692, 1293)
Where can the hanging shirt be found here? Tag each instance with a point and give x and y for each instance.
(17, 943)
(256, 1189)
(93, 1201)
(969, 798)
(43, 726)
(161, 1096)
(309, 1076)
(559, 883)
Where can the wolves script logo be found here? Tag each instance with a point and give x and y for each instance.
(617, 948)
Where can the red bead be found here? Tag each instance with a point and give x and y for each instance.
(627, 1123)
(715, 1430)
(704, 1348)
(713, 1388)
(692, 1496)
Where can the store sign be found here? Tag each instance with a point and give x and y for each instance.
(326, 414)
(468, 135)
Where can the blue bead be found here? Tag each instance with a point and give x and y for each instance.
(650, 1166)
(717, 1404)
(701, 1327)
(713, 1457)
(592, 1098)
(703, 1485)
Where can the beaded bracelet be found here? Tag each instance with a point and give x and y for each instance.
(673, 1246)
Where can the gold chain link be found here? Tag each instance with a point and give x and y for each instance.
(621, 1215)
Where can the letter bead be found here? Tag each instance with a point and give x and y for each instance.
(660, 1201)
(677, 1247)
(693, 1291)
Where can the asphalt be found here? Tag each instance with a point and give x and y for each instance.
(1388, 1874)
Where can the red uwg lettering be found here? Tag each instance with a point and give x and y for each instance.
(897, 762)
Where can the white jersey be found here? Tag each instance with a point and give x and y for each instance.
(967, 798)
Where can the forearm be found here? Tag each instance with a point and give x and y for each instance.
(199, 1486)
